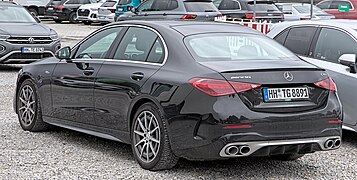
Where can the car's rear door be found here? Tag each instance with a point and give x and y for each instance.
(139, 55)
(73, 80)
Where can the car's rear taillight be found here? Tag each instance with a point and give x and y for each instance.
(215, 87)
(305, 18)
(188, 16)
(248, 16)
(129, 8)
(58, 7)
(112, 10)
(326, 84)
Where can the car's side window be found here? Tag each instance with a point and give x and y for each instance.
(229, 5)
(299, 39)
(324, 5)
(97, 46)
(84, 1)
(332, 43)
(280, 38)
(157, 53)
(335, 4)
(136, 44)
(146, 6)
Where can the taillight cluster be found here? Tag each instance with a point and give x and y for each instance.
(188, 16)
(112, 10)
(129, 8)
(58, 7)
(215, 87)
(326, 84)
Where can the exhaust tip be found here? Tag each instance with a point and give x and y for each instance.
(244, 150)
(337, 143)
(329, 144)
(232, 150)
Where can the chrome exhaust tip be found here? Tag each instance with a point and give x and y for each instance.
(329, 144)
(232, 150)
(337, 143)
(243, 150)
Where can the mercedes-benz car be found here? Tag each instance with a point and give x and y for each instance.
(196, 90)
(23, 39)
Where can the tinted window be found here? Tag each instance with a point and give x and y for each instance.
(157, 53)
(299, 39)
(332, 43)
(199, 6)
(136, 44)
(335, 4)
(280, 38)
(324, 5)
(163, 5)
(236, 47)
(73, 2)
(98, 45)
(109, 4)
(146, 6)
(229, 5)
(124, 2)
(266, 6)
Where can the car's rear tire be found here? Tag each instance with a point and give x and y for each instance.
(150, 139)
(29, 108)
(287, 157)
(73, 17)
(57, 21)
(87, 22)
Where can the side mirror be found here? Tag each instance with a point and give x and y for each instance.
(64, 53)
(349, 60)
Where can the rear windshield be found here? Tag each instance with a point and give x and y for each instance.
(306, 9)
(266, 6)
(200, 7)
(15, 14)
(124, 2)
(55, 2)
(236, 47)
(109, 4)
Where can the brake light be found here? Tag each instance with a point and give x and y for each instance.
(334, 121)
(248, 16)
(112, 10)
(328, 84)
(188, 16)
(215, 87)
(58, 7)
(240, 126)
(129, 8)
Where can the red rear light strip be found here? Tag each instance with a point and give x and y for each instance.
(240, 126)
(328, 84)
(334, 121)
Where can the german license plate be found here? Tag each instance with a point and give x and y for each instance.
(101, 17)
(285, 94)
(32, 50)
(120, 9)
(50, 9)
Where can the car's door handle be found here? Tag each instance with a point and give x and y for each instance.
(137, 76)
(89, 71)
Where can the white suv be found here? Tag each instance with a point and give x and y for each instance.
(88, 13)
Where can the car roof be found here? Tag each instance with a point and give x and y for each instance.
(187, 28)
(333, 22)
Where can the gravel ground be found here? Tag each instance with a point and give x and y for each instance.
(65, 154)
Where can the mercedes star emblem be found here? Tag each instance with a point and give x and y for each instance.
(288, 76)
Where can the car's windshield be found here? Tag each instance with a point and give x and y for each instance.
(15, 14)
(197, 6)
(306, 9)
(266, 6)
(236, 47)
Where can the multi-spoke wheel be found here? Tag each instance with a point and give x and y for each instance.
(28, 108)
(150, 141)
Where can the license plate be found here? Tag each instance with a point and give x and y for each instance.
(285, 94)
(50, 9)
(120, 9)
(101, 17)
(32, 50)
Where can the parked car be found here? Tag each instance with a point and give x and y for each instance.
(22, 38)
(244, 9)
(173, 9)
(126, 6)
(299, 11)
(106, 12)
(36, 7)
(66, 10)
(88, 13)
(329, 44)
(331, 7)
(49, 8)
(171, 89)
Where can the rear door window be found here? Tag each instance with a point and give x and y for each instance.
(324, 5)
(299, 39)
(228, 4)
(332, 44)
(146, 6)
(280, 38)
(164, 5)
(200, 6)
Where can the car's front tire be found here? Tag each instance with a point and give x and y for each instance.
(150, 139)
(73, 17)
(29, 108)
(288, 157)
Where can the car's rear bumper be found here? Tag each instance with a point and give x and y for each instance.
(106, 18)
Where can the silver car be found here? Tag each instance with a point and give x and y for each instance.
(22, 38)
(300, 11)
(329, 44)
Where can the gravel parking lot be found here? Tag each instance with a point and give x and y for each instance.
(64, 154)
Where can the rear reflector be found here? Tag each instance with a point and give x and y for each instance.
(188, 16)
(332, 121)
(215, 87)
(328, 84)
(240, 126)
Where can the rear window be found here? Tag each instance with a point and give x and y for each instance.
(266, 6)
(55, 2)
(305, 9)
(234, 47)
(109, 4)
(124, 2)
(192, 6)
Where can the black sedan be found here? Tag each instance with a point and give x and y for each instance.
(196, 90)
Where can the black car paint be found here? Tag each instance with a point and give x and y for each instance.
(195, 120)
